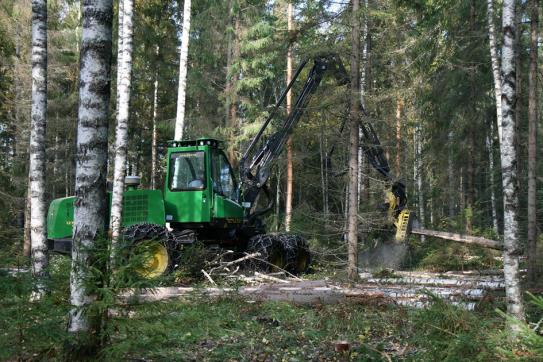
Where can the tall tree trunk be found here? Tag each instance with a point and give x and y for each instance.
(495, 66)
(352, 224)
(450, 177)
(183, 56)
(532, 143)
(38, 208)
(154, 135)
(418, 168)
(124, 75)
(289, 191)
(492, 186)
(90, 174)
(67, 165)
(324, 178)
(399, 108)
(512, 248)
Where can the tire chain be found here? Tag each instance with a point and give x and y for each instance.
(290, 244)
(173, 241)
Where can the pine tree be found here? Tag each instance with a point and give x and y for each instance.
(532, 143)
(352, 224)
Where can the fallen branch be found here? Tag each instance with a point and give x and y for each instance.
(461, 238)
(208, 277)
(237, 261)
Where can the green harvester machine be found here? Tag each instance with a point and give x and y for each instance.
(203, 201)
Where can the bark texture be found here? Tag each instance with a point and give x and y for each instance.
(290, 176)
(512, 248)
(491, 167)
(532, 143)
(38, 209)
(495, 65)
(91, 155)
(124, 78)
(183, 56)
(352, 217)
(154, 135)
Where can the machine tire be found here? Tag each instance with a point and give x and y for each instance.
(279, 251)
(154, 239)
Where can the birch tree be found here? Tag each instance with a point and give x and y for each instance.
(495, 65)
(154, 135)
(290, 176)
(532, 143)
(512, 248)
(352, 216)
(124, 77)
(183, 56)
(91, 158)
(38, 209)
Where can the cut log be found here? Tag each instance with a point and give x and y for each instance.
(321, 292)
(461, 238)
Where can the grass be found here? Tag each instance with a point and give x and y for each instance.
(235, 329)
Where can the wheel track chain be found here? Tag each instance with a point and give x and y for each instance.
(290, 244)
(173, 241)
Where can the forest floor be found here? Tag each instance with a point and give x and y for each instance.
(235, 328)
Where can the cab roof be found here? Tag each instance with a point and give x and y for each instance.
(204, 141)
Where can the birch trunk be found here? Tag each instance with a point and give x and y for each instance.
(352, 218)
(154, 135)
(495, 66)
(532, 144)
(124, 77)
(183, 56)
(512, 248)
(399, 107)
(91, 160)
(289, 190)
(418, 168)
(38, 209)
(492, 186)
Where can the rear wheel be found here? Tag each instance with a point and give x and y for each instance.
(280, 252)
(152, 249)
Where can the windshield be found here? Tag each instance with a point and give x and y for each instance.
(187, 171)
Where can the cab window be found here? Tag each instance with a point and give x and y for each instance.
(223, 177)
(187, 171)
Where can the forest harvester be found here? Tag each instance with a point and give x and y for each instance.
(203, 201)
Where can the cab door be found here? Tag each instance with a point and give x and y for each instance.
(225, 190)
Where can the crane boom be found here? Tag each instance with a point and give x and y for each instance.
(263, 151)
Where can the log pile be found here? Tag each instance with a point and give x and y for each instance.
(409, 289)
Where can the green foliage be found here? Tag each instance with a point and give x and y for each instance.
(448, 333)
(528, 345)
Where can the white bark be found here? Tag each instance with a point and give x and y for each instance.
(38, 209)
(490, 148)
(124, 77)
(183, 56)
(418, 166)
(512, 248)
(154, 136)
(90, 175)
(290, 173)
(495, 66)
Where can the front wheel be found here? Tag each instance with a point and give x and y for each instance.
(151, 249)
(280, 252)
